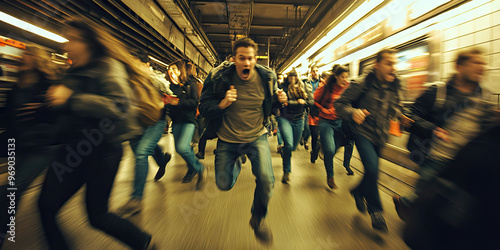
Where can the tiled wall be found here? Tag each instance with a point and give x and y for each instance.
(479, 26)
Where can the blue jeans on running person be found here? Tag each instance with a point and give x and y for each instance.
(228, 167)
(306, 133)
(367, 188)
(291, 131)
(280, 139)
(144, 146)
(183, 134)
(331, 137)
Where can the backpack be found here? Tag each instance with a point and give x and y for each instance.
(149, 102)
(417, 145)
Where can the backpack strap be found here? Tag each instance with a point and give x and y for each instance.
(440, 94)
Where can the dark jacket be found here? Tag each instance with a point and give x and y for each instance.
(428, 116)
(214, 90)
(101, 102)
(367, 92)
(31, 127)
(456, 210)
(294, 111)
(185, 112)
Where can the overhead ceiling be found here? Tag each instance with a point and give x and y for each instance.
(280, 24)
(114, 15)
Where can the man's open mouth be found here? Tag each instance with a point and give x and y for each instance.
(246, 72)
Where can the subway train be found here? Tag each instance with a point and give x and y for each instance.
(427, 44)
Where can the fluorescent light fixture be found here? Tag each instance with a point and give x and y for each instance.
(31, 28)
(421, 7)
(438, 22)
(358, 13)
(158, 61)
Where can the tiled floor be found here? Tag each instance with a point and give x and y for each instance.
(304, 214)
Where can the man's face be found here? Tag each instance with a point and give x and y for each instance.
(174, 73)
(314, 73)
(245, 62)
(385, 68)
(473, 69)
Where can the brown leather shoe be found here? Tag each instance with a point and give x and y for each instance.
(286, 178)
(378, 221)
(401, 209)
(331, 183)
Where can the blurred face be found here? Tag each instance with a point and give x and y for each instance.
(77, 48)
(343, 79)
(174, 73)
(245, 62)
(385, 69)
(314, 73)
(473, 69)
(293, 79)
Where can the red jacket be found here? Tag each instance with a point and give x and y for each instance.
(326, 109)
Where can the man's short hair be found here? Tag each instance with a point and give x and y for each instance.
(245, 42)
(380, 54)
(464, 55)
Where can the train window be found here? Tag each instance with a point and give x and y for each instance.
(413, 67)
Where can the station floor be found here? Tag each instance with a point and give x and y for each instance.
(304, 214)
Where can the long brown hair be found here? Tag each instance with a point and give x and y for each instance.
(296, 92)
(102, 44)
(182, 68)
(337, 70)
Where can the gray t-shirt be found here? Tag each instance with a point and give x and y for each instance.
(244, 118)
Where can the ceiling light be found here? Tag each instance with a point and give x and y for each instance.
(31, 28)
(158, 61)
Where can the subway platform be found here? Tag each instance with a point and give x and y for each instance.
(304, 214)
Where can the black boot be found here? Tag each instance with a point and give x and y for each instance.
(189, 176)
(161, 169)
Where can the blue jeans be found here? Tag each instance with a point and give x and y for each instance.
(144, 146)
(183, 134)
(306, 132)
(367, 188)
(332, 138)
(291, 131)
(280, 139)
(228, 167)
